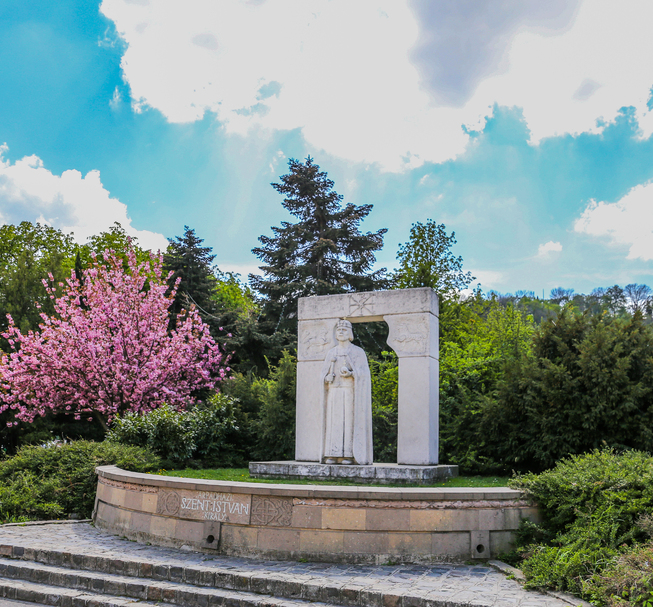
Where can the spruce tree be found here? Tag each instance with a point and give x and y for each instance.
(191, 262)
(323, 253)
(226, 306)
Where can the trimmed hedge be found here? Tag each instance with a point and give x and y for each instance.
(58, 480)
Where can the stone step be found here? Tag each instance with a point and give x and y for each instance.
(80, 549)
(134, 588)
(43, 594)
(279, 585)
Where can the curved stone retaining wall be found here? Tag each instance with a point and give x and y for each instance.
(325, 523)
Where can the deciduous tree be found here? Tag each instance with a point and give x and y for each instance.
(107, 348)
(426, 260)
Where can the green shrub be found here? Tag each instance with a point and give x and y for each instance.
(588, 384)
(220, 427)
(385, 394)
(626, 580)
(275, 427)
(204, 433)
(167, 432)
(58, 479)
(590, 506)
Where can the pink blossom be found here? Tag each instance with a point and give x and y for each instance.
(113, 354)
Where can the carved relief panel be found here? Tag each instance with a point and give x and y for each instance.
(273, 511)
(361, 304)
(410, 334)
(315, 338)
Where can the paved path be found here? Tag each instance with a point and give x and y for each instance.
(422, 585)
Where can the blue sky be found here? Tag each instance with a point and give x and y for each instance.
(523, 126)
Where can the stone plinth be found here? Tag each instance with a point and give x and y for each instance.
(347, 524)
(385, 474)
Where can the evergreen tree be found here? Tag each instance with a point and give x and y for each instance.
(224, 304)
(323, 253)
(191, 262)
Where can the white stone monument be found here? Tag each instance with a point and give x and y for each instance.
(412, 317)
(346, 402)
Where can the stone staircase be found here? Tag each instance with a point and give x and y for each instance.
(78, 566)
(72, 580)
(64, 586)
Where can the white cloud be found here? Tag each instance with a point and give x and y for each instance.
(566, 83)
(70, 202)
(544, 250)
(627, 222)
(489, 279)
(342, 72)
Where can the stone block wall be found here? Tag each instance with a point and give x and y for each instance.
(336, 524)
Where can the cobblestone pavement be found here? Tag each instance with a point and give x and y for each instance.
(453, 584)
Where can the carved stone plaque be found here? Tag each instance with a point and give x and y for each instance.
(409, 334)
(273, 511)
(168, 503)
(205, 505)
(315, 339)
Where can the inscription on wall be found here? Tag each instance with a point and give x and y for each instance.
(205, 505)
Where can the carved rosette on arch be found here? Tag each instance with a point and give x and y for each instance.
(271, 511)
(361, 304)
(315, 338)
(410, 334)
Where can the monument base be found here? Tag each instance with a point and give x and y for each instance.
(344, 524)
(384, 474)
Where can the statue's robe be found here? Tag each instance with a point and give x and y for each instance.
(347, 406)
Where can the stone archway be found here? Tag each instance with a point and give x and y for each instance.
(412, 317)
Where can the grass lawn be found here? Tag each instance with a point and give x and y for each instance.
(242, 474)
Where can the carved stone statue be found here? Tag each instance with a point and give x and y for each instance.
(346, 402)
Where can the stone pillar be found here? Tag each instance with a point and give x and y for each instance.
(415, 339)
(315, 339)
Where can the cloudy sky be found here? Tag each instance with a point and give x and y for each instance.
(524, 126)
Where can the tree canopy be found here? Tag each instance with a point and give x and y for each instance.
(107, 348)
(426, 260)
(324, 252)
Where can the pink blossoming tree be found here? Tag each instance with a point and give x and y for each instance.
(108, 349)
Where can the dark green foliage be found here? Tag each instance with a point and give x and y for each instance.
(590, 505)
(268, 407)
(587, 384)
(480, 339)
(275, 427)
(208, 433)
(57, 480)
(190, 263)
(225, 304)
(45, 429)
(426, 260)
(385, 387)
(323, 253)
